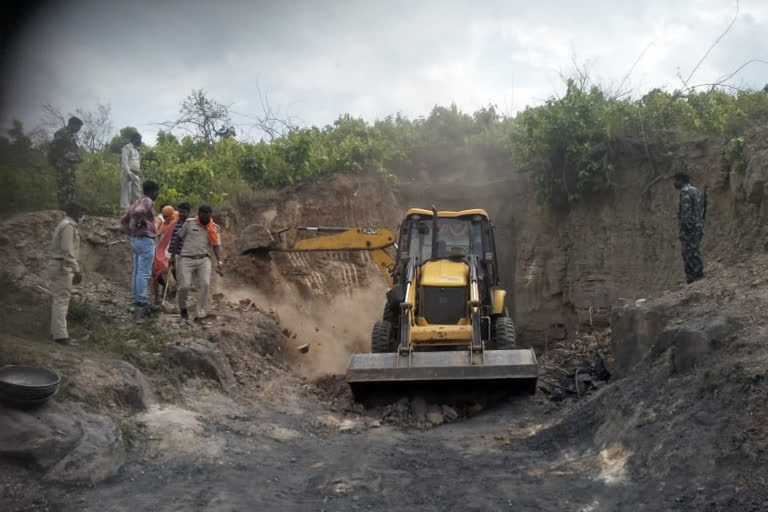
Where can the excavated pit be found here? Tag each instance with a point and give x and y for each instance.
(327, 302)
(678, 425)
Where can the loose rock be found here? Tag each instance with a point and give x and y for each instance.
(419, 409)
(99, 454)
(434, 415)
(70, 444)
(449, 413)
(202, 357)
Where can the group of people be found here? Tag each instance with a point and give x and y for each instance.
(171, 243)
(175, 244)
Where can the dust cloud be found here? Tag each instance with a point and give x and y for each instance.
(333, 327)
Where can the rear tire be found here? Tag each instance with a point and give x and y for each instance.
(381, 338)
(506, 336)
(389, 315)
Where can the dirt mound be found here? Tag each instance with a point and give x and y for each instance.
(688, 408)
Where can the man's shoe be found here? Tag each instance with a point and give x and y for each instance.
(184, 314)
(70, 342)
(207, 316)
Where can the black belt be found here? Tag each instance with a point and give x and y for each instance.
(196, 257)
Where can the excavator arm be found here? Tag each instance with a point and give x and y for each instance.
(373, 240)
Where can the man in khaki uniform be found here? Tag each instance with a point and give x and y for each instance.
(199, 236)
(64, 270)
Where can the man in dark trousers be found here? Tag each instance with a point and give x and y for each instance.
(63, 155)
(690, 218)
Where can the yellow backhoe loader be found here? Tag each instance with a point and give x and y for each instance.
(445, 319)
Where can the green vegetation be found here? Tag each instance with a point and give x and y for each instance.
(733, 152)
(569, 145)
(144, 346)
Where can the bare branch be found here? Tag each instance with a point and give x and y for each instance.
(53, 119)
(715, 86)
(750, 61)
(270, 122)
(696, 67)
(618, 94)
(97, 124)
(97, 127)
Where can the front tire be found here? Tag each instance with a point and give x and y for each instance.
(506, 336)
(381, 338)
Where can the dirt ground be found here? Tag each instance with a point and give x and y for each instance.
(273, 428)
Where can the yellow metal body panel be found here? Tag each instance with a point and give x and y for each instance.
(498, 300)
(374, 240)
(444, 273)
(353, 239)
(385, 264)
(441, 334)
(447, 214)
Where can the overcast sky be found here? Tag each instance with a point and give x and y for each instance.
(316, 60)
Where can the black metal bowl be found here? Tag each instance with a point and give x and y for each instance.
(27, 385)
(28, 377)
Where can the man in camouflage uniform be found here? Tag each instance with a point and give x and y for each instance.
(690, 218)
(63, 155)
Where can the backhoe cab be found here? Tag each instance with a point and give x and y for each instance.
(445, 286)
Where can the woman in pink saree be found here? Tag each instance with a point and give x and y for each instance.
(161, 266)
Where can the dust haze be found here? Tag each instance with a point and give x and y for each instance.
(333, 327)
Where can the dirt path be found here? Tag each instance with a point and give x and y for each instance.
(286, 458)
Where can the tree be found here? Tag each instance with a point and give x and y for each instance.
(200, 115)
(97, 124)
(18, 139)
(164, 137)
(118, 141)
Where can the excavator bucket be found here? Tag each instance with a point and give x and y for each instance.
(374, 377)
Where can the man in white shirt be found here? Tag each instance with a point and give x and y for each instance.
(64, 270)
(130, 184)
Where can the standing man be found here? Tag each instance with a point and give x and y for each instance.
(129, 172)
(139, 223)
(199, 235)
(63, 155)
(64, 270)
(690, 218)
(177, 243)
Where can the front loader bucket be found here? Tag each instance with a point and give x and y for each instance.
(381, 376)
